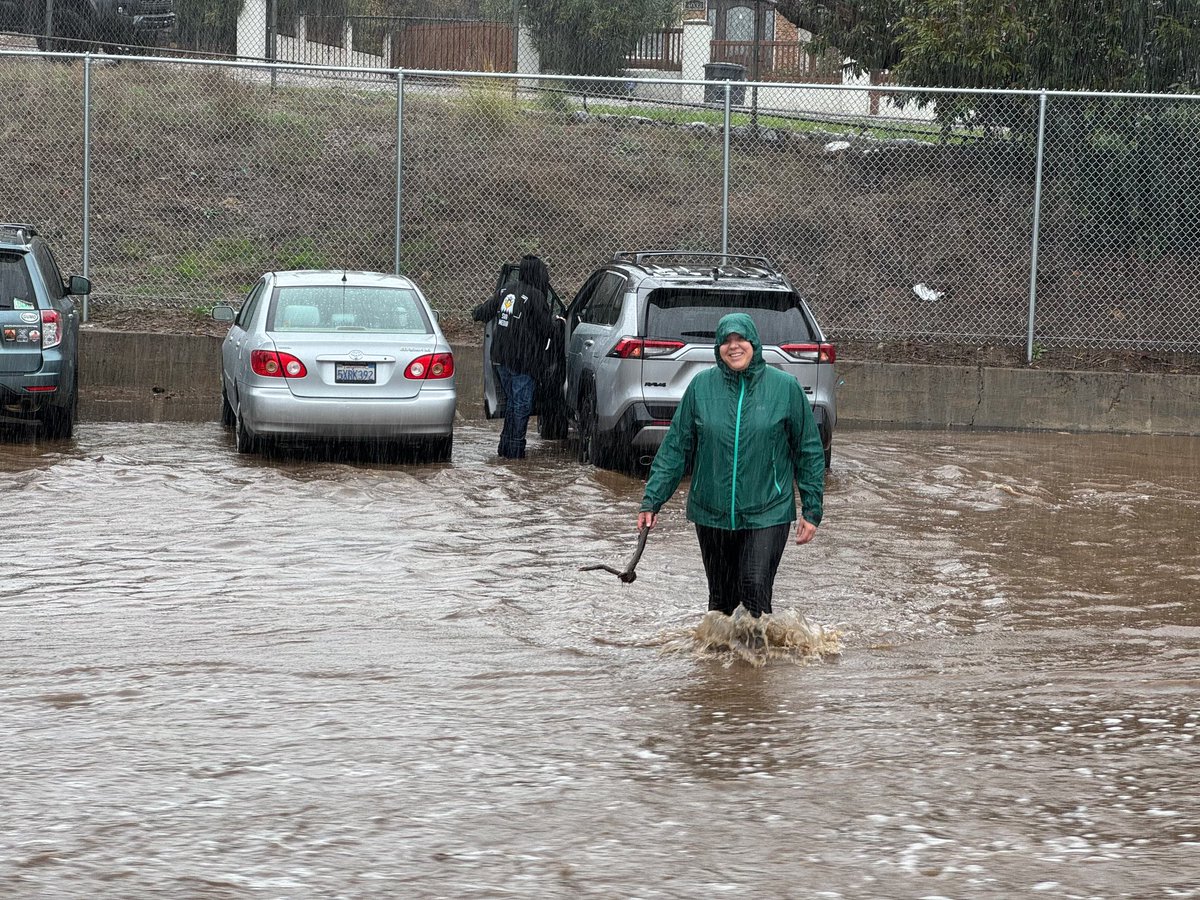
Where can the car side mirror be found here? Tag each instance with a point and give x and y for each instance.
(78, 285)
(223, 313)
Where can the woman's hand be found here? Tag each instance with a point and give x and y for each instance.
(805, 531)
(646, 519)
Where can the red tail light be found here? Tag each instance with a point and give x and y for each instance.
(51, 332)
(273, 364)
(820, 353)
(430, 366)
(640, 348)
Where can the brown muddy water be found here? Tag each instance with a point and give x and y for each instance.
(237, 677)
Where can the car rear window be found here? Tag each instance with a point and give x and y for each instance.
(16, 290)
(691, 314)
(324, 308)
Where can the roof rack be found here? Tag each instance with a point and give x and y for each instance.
(24, 231)
(718, 265)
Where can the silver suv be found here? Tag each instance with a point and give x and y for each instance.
(39, 334)
(644, 325)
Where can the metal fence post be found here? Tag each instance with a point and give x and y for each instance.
(399, 165)
(51, 44)
(725, 178)
(516, 45)
(1037, 221)
(87, 167)
(273, 38)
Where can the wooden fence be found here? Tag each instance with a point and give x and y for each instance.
(460, 46)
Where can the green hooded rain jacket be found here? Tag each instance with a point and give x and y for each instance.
(748, 436)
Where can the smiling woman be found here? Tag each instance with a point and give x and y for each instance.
(736, 352)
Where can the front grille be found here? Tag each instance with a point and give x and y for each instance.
(151, 7)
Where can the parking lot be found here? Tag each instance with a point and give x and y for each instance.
(314, 676)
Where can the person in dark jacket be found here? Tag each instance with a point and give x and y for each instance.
(749, 434)
(519, 338)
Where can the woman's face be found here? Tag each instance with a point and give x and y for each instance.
(737, 352)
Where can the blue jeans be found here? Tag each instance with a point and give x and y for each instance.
(518, 404)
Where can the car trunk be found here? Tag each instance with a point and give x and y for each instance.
(361, 366)
(691, 315)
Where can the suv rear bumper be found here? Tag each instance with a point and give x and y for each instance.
(644, 432)
(20, 405)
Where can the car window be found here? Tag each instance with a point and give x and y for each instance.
(336, 307)
(49, 266)
(16, 290)
(691, 314)
(250, 306)
(604, 307)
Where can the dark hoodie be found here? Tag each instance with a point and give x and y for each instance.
(523, 321)
(748, 436)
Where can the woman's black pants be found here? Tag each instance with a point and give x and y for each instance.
(741, 566)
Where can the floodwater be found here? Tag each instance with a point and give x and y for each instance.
(302, 677)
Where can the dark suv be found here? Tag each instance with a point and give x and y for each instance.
(39, 334)
(80, 25)
(644, 325)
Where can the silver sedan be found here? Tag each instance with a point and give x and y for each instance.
(333, 355)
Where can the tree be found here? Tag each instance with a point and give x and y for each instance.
(1105, 45)
(593, 37)
(864, 33)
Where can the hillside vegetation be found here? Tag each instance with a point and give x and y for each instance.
(202, 178)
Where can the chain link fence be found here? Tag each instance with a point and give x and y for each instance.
(177, 183)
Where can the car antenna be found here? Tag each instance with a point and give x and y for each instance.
(343, 276)
(716, 273)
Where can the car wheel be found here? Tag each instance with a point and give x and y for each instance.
(439, 450)
(228, 417)
(828, 454)
(593, 447)
(584, 425)
(58, 422)
(243, 440)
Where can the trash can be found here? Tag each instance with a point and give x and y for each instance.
(724, 71)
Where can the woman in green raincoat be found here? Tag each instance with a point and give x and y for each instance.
(748, 433)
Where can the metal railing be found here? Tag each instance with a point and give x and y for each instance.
(1050, 219)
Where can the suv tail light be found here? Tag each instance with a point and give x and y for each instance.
(641, 348)
(51, 330)
(818, 353)
(273, 364)
(430, 366)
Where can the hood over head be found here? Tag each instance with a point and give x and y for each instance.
(533, 272)
(738, 323)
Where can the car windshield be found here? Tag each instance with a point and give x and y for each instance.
(691, 314)
(336, 307)
(16, 291)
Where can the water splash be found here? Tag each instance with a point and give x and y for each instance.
(785, 635)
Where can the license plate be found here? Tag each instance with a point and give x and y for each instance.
(354, 373)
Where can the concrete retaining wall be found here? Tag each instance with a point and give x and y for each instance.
(172, 377)
(879, 394)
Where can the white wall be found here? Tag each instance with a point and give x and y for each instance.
(252, 30)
